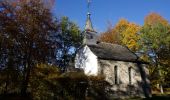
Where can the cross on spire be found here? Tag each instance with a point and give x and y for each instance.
(88, 5)
(88, 26)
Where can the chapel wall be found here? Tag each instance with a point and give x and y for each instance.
(87, 61)
(123, 87)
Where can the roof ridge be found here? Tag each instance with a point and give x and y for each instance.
(106, 50)
(111, 44)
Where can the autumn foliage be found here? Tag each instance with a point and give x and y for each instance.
(154, 18)
(124, 33)
(155, 42)
(110, 36)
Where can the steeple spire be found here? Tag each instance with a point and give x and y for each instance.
(89, 36)
(89, 26)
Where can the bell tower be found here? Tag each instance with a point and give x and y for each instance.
(90, 35)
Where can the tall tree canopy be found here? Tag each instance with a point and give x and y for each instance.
(25, 29)
(155, 41)
(70, 40)
(154, 18)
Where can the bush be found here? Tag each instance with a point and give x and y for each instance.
(41, 81)
(48, 83)
(97, 88)
(74, 85)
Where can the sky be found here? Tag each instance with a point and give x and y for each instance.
(104, 11)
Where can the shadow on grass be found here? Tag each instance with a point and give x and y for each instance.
(154, 97)
(159, 97)
(14, 96)
(28, 97)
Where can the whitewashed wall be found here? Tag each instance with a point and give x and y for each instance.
(87, 60)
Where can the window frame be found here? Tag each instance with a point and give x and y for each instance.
(130, 75)
(116, 75)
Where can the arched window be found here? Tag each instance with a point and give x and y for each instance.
(130, 75)
(116, 75)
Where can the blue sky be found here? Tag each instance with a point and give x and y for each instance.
(104, 11)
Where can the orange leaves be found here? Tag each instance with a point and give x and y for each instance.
(154, 18)
(111, 36)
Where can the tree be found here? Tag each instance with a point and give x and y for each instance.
(26, 28)
(154, 18)
(154, 40)
(110, 36)
(124, 33)
(129, 34)
(70, 40)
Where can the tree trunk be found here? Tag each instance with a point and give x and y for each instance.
(26, 76)
(6, 85)
(26, 81)
(161, 88)
(160, 85)
(160, 75)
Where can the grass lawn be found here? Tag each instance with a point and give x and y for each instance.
(157, 96)
(165, 96)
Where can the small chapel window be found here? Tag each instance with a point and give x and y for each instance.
(116, 74)
(130, 75)
(91, 37)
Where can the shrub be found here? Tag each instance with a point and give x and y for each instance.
(48, 83)
(42, 81)
(96, 88)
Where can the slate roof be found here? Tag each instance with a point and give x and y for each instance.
(110, 51)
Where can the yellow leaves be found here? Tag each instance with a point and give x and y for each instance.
(129, 33)
(121, 25)
(131, 43)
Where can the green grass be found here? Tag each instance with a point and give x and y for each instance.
(157, 96)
